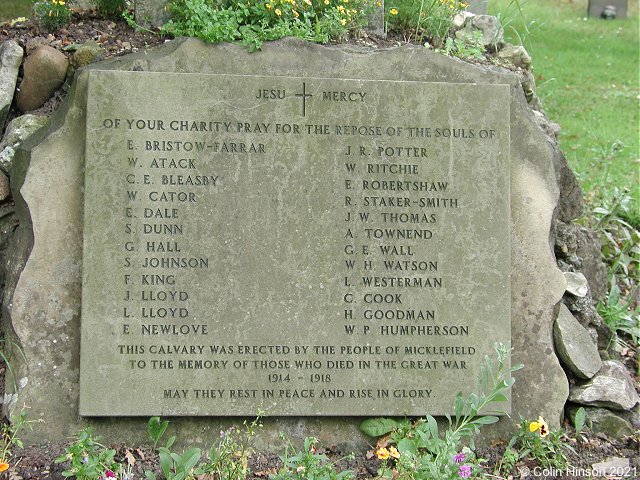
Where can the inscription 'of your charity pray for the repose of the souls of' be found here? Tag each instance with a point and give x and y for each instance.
(298, 246)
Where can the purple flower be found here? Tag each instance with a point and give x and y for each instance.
(458, 457)
(465, 471)
(110, 474)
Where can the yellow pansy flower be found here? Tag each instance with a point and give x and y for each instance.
(382, 453)
(541, 426)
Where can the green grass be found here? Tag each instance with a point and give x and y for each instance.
(14, 8)
(586, 71)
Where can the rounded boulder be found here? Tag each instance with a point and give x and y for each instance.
(44, 72)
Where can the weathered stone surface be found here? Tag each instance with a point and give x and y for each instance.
(574, 345)
(550, 128)
(577, 284)
(52, 301)
(580, 248)
(86, 54)
(17, 131)
(479, 7)
(8, 224)
(5, 190)
(528, 82)
(492, 31)
(34, 42)
(10, 60)
(461, 18)
(44, 72)
(611, 466)
(601, 420)
(611, 387)
(571, 203)
(517, 55)
(151, 13)
(255, 262)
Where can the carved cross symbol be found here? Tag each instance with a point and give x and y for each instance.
(304, 96)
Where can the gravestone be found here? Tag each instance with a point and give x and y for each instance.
(234, 227)
(255, 242)
(608, 8)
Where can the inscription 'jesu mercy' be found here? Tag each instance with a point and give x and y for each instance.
(301, 246)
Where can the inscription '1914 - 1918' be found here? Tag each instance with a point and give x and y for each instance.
(304, 246)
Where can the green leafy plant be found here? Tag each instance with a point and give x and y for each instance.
(88, 459)
(421, 451)
(509, 459)
(465, 45)
(430, 20)
(52, 14)
(308, 464)
(11, 438)
(176, 466)
(156, 430)
(579, 420)
(617, 226)
(229, 458)
(536, 441)
(620, 315)
(253, 23)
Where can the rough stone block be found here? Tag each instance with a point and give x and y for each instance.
(612, 387)
(44, 280)
(574, 345)
(151, 13)
(10, 60)
(44, 72)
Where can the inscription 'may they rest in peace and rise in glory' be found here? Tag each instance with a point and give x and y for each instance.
(299, 246)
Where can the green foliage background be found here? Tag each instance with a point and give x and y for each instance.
(586, 72)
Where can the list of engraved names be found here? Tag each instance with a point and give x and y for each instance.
(299, 246)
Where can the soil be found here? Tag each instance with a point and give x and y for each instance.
(38, 461)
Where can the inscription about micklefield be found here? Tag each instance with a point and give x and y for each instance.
(300, 246)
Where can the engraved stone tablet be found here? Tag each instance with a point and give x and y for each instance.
(301, 246)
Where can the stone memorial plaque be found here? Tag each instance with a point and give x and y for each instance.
(300, 246)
